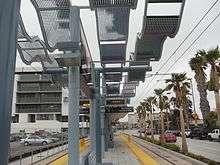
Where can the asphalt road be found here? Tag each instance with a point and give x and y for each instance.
(205, 148)
(17, 148)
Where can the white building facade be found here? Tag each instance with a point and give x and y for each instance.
(38, 104)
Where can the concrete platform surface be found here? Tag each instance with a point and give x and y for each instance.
(120, 154)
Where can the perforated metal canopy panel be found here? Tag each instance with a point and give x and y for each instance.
(22, 33)
(54, 21)
(31, 49)
(112, 52)
(113, 23)
(32, 52)
(156, 29)
(113, 3)
(149, 48)
(164, 1)
(136, 75)
(161, 25)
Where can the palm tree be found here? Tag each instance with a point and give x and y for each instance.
(187, 104)
(167, 108)
(150, 101)
(160, 102)
(141, 117)
(212, 57)
(198, 65)
(179, 84)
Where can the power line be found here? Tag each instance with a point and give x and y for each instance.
(197, 38)
(182, 44)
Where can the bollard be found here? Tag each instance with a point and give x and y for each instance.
(47, 151)
(32, 156)
(40, 153)
(21, 159)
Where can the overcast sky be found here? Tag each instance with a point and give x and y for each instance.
(194, 10)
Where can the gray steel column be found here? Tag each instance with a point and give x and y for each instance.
(83, 129)
(8, 29)
(103, 114)
(92, 114)
(106, 132)
(98, 120)
(74, 92)
(92, 124)
(103, 132)
(73, 117)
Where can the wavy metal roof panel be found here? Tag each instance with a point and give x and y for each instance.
(112, 52)
(113, 3)
(113, 24)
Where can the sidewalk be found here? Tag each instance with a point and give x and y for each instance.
(120, 154)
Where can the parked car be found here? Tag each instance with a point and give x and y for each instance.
(200, 133)
(175, 132)
(34, 140)
(142, 130)
(214, 135)
(187, 132)
(169, 137)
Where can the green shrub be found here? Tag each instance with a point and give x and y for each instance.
(202, 158)
(171, 146)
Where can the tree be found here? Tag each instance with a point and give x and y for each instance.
(211, 121)
(187, 104)
(212, 57)
(141, 117)
(198, 65)
(160, 102)
(179, 84)
(149, 102)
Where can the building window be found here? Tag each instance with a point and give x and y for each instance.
(65, 99)
(15, 118)
(48, 86)
(29, 77)
(50, 97)
(37, 108)
(28, 98)
(45, 117)
(31, 118)
(28, 86)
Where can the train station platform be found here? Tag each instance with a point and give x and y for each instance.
(127, 150)
(124, 152)
(120, 154)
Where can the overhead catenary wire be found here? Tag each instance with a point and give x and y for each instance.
(183, 41)
(197, 38)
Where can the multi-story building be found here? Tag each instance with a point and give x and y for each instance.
(132, 120)
(39, 104)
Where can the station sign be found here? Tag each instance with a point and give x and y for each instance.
(113, 88)
(113, 77)
(84, 103)
(128, 95)
(118, 109)
(116, 102)
(84, 110)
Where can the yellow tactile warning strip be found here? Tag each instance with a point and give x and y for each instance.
(143, 158)
(84, 144)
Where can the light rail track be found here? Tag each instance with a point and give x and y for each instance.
(163, 155)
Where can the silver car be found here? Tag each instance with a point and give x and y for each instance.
(33, 140)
